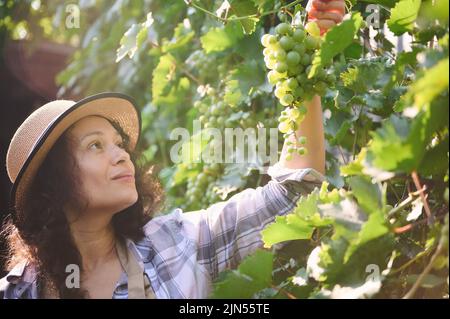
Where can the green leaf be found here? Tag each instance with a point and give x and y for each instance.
(289, 227)
(245, 78)
(307, 210)
(354, 51)
(183, 35)
(337, 39)
(220, 39)
(403, 16)
(346, 213)
(233, 178)
(388, 146)
(438, 9)
(342, 132)
(233, 94)
(367, 194)
(400, 145)
(253, 275)
(362, 77)
(128, 44)
(163, 74)
(435, 161)
(355, 167)
(345, 261)
(435, 81)
(133, 38)
(241, 8)
(142, 35)
(258, 266)
(386, 3)
(374, 228)
(307, 205)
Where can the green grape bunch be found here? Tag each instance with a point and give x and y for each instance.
(289, 56)
(200, 187)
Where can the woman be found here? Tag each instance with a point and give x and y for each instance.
(83, 206)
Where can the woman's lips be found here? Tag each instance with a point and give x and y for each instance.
(126, 178)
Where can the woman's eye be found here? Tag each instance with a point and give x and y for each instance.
(121, 145)
(96, 144)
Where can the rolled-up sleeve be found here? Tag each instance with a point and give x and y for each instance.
(228, 231)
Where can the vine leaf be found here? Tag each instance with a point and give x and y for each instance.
(289, 227)
(220, 39)
(337, 39)
(133, 38)
(403, 16)
(253, 274)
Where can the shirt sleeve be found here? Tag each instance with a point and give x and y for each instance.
(228, 231)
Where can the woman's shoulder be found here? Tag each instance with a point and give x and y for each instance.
(164, 222)
(161, 234)
(18, 281)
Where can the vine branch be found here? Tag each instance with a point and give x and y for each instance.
(424, 200)
(256, 15)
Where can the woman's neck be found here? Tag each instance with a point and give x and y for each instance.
(95, 240)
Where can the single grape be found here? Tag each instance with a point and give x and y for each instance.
(300, 49)
(212, 121)
(271, 40)
(299, 35)
(279, 92)
(302, 140)
(302, 79)
(281, 67)
(272, 77)
(215, 110)
(287, 99)
(320, 87)
(306, 59)
(265, 40)
(221, 120)
(311, 43)
(270, 63)
(302, 151)
(280, 55)
(294, 114)
(287, 43)
(299, 92)
(284, 127)
(292, 83)
(292, 58)
(283, 29)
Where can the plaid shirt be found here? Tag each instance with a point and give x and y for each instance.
(182, 253)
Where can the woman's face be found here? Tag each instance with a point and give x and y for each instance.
(101, 158)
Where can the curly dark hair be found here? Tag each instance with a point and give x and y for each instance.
(42, 237)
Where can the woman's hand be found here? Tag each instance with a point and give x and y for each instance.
(326, 13)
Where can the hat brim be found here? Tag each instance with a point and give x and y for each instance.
(118, 107)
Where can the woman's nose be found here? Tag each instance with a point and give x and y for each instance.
(119, 154)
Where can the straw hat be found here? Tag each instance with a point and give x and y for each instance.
(39, 132)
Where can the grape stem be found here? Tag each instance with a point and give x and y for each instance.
(288, 294)
(256, 15)
(406, 202)
(413, 260)
(424, 200)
